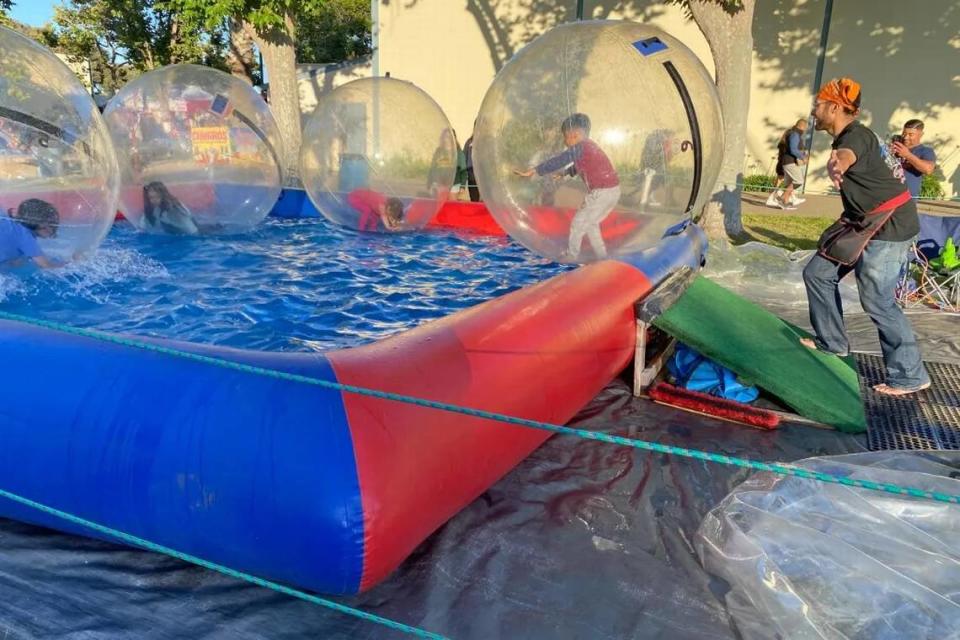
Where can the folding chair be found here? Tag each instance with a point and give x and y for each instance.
(923, 286)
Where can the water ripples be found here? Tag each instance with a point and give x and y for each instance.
(289, 285)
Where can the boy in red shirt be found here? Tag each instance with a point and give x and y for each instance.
(585, 158)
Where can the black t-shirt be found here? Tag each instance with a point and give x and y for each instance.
(873, 179)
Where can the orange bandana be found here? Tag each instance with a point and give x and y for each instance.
(842, 91)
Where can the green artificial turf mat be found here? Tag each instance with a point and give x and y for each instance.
(765, 351)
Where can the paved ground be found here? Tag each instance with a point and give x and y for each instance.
(823, 206)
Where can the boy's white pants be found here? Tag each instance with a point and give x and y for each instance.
(597, 204)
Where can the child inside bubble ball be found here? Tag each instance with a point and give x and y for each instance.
(374, 207)
(33, 219)
(585, 158)
(164, 213)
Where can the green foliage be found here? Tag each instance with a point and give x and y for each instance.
(334, 31)
(122, 38)
(324, 30)
(930, 187)
(759, 182)
(45, 34)
(267, 16)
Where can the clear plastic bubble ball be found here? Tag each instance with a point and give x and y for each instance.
(597, 138)
(58, 172)
(199, 151)
(378, 154)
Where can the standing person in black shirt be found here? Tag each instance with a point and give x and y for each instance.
(870, 180)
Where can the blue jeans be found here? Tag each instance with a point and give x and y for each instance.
(877, 272)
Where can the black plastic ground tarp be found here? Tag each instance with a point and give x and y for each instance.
(582, 540)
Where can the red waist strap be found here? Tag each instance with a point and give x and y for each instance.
(891, 204)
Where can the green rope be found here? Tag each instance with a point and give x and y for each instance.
(780, 469)
(233, 573)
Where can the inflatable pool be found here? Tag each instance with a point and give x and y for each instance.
(322, 489)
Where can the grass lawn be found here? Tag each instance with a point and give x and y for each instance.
(788, 232)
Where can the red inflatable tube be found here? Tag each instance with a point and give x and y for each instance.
(542, 353)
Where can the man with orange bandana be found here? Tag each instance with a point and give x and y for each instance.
(875, 198)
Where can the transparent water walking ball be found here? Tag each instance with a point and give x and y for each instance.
(58, 172)
(378, 154)
(597, 139)
(199, 151)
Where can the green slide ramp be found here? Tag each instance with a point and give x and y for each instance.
(765, 351)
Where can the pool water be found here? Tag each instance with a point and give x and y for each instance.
(289, 285)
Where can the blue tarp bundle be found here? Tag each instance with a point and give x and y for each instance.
(694, 371)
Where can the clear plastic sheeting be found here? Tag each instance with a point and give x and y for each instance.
(768, 275)
(809, 560)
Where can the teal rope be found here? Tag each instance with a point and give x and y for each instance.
(780, 469)
(151, 546)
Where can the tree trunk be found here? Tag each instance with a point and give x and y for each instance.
(279, 58)
(728, 30)
(148, 59)
(240, 53)
(175, 35)
(113, 69)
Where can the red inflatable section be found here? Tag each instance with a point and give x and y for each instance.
(556, 222)
(475, 217)
(541, 353)
(466, 216)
